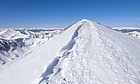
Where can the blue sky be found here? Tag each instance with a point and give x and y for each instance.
(61, 13)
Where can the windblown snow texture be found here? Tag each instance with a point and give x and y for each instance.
(85, 53)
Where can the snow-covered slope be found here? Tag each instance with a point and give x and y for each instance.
(132, 31)
(17, 43)
(85, 53)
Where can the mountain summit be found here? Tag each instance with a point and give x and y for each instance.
(85, 53)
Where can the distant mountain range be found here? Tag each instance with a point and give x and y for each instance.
(19, 42)
(132, 31)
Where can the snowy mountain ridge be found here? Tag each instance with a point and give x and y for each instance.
(132, 31)
(120, 28)
(85, 53)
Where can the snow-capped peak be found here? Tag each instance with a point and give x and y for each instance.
(85, 20)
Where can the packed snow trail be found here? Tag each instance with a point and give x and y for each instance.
(85, 53)
(95, 57)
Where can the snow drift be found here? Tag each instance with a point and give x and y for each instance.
(85, 53)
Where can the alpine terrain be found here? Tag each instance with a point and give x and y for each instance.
(85, 52)
(132, 31)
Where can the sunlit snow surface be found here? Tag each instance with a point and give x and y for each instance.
(85, 53)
